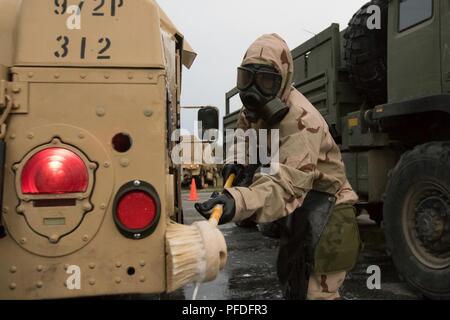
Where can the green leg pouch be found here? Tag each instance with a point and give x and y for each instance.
(340, 244)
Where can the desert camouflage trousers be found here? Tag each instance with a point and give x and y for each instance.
(312, 265)
(325, 286)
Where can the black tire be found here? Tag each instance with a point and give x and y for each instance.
(417, 218)
(203, 181)
(365, 54)
(186, 182)
(198, 182)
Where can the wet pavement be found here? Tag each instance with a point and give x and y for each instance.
(250, 272)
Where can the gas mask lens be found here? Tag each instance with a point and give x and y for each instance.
(245, 78)
(267, 82)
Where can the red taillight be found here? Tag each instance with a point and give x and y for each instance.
(136, 210)
(54, 171)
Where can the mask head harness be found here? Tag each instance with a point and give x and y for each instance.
(259, 86)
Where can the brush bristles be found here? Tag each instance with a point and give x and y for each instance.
(185, 260)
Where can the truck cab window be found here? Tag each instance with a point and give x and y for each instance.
(413, 12)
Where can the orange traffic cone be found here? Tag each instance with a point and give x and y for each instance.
(193, 196)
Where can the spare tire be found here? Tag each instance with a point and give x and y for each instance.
(365, 53)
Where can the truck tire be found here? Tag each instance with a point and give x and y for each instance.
(203, 181)
(417, 218)
(198, 182)
(365, 53)
(186, 183)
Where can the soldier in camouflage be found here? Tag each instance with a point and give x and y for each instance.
(309, 196)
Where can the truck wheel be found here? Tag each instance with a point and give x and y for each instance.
(417, 218)
(365, 53)
(203, 182)
(198, 182)
(186, 183)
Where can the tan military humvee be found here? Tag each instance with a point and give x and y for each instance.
(194, 166)
(89, 92)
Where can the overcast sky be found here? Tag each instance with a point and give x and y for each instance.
(220, 31)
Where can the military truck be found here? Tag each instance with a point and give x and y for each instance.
(89, 97)
(205, 176)
(194, 166)
(383, 85)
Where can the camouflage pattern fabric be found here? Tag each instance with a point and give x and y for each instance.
(325, 286)
(340, 244)
(336, 253)
(309, 158)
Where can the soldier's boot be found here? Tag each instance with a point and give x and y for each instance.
(325, 286)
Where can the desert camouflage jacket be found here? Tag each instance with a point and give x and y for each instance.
(309, 158)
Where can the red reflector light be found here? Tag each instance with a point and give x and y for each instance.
(54, 171)
(136, 210)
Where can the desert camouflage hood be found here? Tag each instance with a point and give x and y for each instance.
(272, 50)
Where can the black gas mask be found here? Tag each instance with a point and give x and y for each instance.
(259, 86)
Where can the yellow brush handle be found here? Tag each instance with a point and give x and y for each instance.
(230, 181)
(216, 214)
(218, 210)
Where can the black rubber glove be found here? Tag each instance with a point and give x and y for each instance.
(229, 207)
(237, 169)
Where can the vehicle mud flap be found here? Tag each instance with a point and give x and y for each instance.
(2, 173)
(300, 233)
